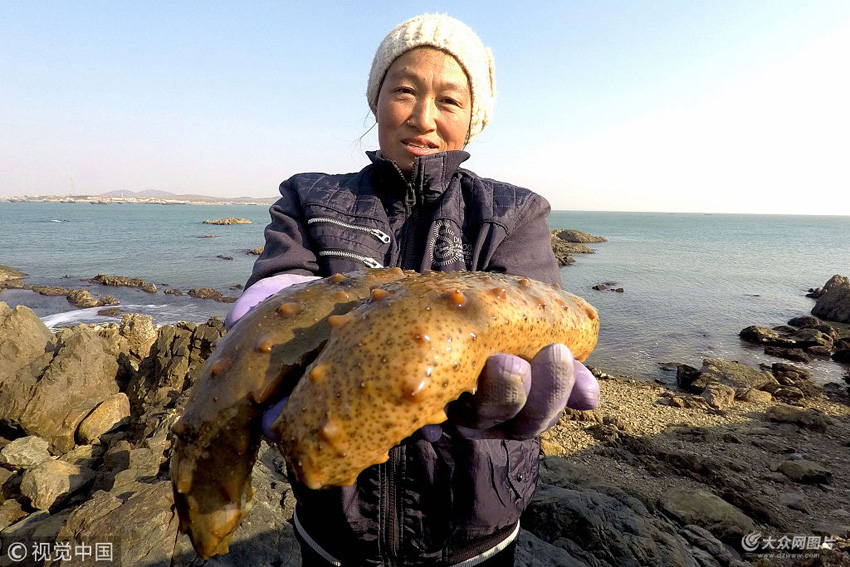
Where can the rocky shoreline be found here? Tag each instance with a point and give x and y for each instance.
(731, 466)
(657, 475)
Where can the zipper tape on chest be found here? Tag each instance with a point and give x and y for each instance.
(370, 262)
(377, 233)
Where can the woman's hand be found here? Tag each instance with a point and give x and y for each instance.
(261, 290)
(520, 400)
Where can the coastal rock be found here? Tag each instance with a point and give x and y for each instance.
(108, 414)
(23, 338)
(789, 374)
(81, 298)
(806, 338)
(806, 472)
(255, 251)
(562, 252)
(149, 541)
(708, 511)
(796, 354)
(210, 293)
(7, 274)
(805, 418)
(842, 350)
(52, 481)
(122, 281)
(834, 304)
(228, 221)
(577, 236)
(223, 257)
(10, 512)
(753, 396)
(598, 526)
(761, 335)
(25, 453)
(139, 332)
(173, 291)
(732, 374)
(719, 396)
(52, 395)
(110, 312)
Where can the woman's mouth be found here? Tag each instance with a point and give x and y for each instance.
(419, 147)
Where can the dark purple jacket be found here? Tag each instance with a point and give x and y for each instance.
(434, 503)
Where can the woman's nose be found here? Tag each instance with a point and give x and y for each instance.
(423, 116)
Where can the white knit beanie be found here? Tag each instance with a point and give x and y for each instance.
(449, 35)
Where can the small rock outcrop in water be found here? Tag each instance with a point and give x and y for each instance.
(210, 293)
(801, 340)
(833, 302)
(7, 273)
(565, 243)
(228, 221)
(124, 281)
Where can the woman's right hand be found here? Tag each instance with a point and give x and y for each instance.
(261, 290)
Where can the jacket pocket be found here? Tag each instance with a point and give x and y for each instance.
(346, 242)
(521, 470)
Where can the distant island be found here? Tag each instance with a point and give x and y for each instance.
(146, 197)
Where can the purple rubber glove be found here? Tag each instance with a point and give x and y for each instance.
(261, 290)
(520, 400)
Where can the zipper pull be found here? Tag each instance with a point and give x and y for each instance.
(380, 235)
(372, 263)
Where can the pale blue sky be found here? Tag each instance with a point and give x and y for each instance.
(651, 106)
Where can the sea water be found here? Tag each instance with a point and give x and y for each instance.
(690, 282)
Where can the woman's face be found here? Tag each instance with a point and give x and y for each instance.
(424, 106)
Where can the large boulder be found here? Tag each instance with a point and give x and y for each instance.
(23, 338)
(733, 374)
(708, 511)
(52, 395)
(834, 304)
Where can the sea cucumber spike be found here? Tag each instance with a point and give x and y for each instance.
(337, 278)
(179, 428)
(379, 294)
(320, 372)
(457, 297)
(289, 310)
(220, 366)
(397, 271)
(265, 346)
(499, 292)
(524, 282)
(342, 295)
(337, 321)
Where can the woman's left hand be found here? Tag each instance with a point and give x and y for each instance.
(520, 400)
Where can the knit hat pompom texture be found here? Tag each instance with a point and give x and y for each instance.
(452, 36)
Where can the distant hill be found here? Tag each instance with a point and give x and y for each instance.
(155, 194)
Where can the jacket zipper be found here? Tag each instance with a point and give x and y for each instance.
(392, 508)
(377, 233)
(370, 262)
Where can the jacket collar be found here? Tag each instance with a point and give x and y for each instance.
(430, 177)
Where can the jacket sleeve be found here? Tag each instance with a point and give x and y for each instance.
(527, 249)
(288, 248)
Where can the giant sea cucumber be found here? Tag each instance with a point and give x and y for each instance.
(385, 367)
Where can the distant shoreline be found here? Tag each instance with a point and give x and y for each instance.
(136, 200)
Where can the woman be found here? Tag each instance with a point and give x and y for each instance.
(450, 494)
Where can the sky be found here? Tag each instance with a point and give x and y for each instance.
(668, 105)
